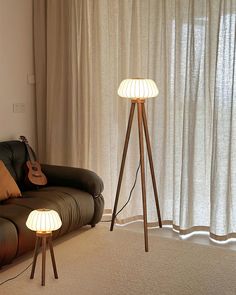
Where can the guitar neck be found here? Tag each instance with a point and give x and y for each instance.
(30, 153)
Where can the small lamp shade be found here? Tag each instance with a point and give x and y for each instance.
(43, 220)
(138, 88)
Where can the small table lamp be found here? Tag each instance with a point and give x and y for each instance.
(138, 90)
(43, 221)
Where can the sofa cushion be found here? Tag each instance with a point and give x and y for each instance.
(8, 186)
(17, 215)
(75, 207)
(8, 241)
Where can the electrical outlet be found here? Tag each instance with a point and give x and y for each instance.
(19, 107)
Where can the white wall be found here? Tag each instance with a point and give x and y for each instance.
(16, 62)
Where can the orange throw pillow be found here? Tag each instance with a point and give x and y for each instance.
(8, 186)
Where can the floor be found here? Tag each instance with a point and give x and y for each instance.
(100, 262)
(168, 232)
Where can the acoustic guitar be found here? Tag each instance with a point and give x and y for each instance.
(35, 174)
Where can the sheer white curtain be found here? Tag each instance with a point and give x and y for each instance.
(83, 49)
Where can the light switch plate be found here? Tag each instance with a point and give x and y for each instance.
(19, 107)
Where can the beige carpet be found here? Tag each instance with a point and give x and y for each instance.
(99, 262)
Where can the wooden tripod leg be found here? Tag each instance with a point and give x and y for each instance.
(37, 242)
(122, 163)
(140, 129)
(44, 246)
(53, 257)
(151, 164)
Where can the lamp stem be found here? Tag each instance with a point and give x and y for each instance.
(44, 245)
(53, 257)
(141, 147)
(36, 249)
(151, 165)
(131, 115)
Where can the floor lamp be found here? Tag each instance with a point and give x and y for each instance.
(43, 221)
(138, 90)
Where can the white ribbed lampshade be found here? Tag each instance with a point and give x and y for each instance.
(138, 88)
(43, 220)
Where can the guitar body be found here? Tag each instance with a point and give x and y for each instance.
(35, 174)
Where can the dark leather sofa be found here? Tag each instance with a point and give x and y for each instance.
(75, 193)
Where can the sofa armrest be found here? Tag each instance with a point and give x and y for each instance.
(80, 178)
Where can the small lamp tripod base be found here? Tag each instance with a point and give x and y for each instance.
(44, 238)
(142, 124)
(43, 222)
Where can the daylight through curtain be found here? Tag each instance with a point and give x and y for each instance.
(85, 48)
